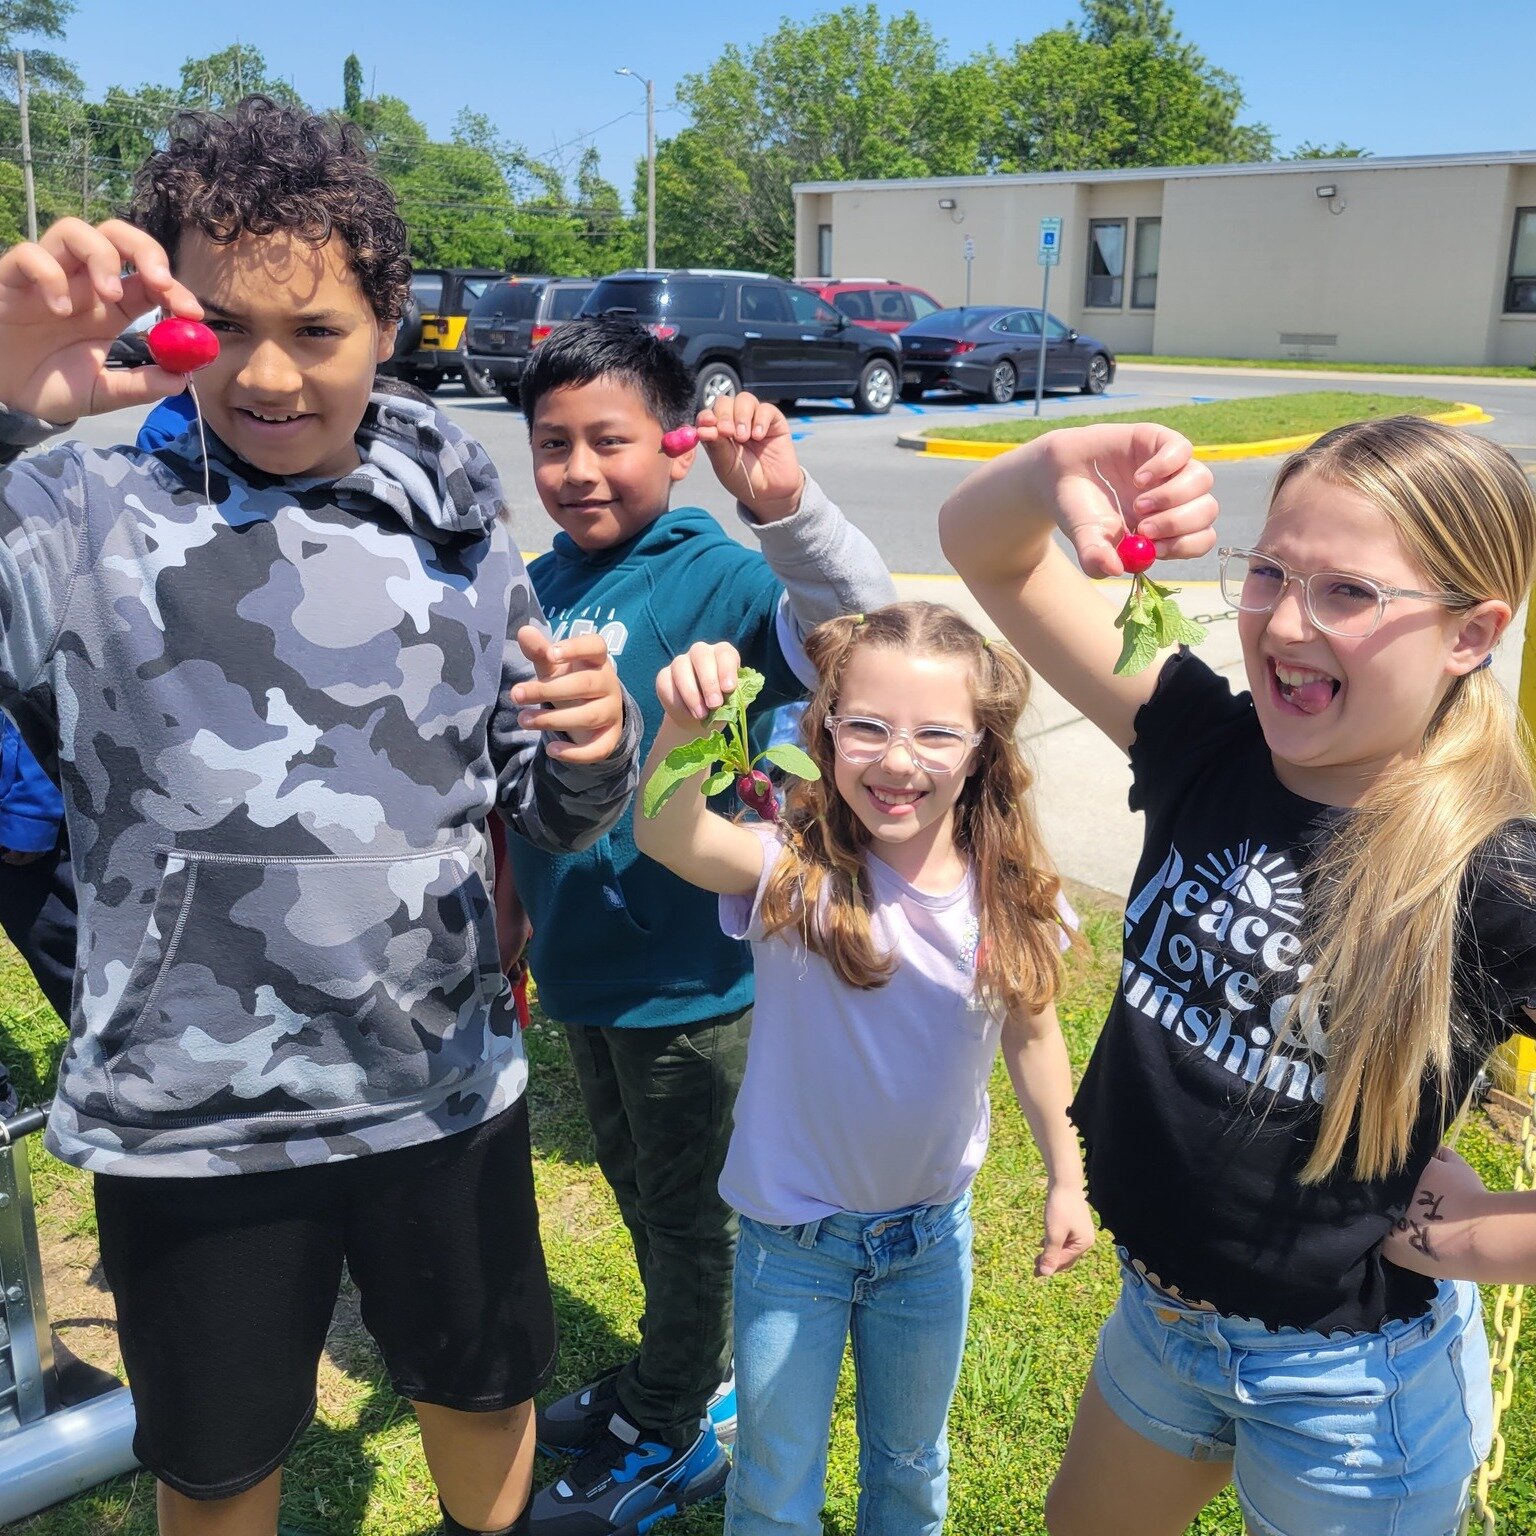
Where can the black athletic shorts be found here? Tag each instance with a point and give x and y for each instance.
(225, 1288)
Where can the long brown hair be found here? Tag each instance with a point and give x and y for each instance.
(820, 885)
(1387, 902)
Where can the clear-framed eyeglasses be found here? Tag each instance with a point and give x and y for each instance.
(1339, 602)
(862, 739)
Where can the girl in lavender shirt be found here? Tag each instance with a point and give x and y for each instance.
(905, 925)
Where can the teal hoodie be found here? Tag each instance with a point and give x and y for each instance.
(617, 938)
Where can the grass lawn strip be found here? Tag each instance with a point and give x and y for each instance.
(1328, 365)
(1221, 422)
(359, 1471)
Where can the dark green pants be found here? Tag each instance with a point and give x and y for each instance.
(660, 1103)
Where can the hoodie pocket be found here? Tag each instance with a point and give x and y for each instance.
(312, 988)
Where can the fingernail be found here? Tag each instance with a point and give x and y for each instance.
(1143, 478)
(555, 653)
(526, 717)
(1144, 504)
(714, 700)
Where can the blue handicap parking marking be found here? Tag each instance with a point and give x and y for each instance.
(799, 437)
(1203, 399)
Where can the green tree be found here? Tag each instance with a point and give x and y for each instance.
(1123, 90)
(220, 80)
(847, 94)
(21, 19)
(351, 85)
(1307, 150)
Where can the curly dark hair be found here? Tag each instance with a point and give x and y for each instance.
(261, 168)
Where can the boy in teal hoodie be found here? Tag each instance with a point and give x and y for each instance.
(656, 1002)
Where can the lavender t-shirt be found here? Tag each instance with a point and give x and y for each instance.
(861, 1101)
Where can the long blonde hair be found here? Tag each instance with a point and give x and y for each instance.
(821, 884)
(1387, 906)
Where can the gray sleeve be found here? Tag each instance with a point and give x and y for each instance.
(557, 806)
(828, 567)
(42, 518)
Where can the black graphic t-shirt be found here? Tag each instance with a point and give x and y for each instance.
(1196, 1123)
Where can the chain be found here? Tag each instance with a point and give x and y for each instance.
(1508, 1315)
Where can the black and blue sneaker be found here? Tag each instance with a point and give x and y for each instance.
(573, 1423)
(628, 1481)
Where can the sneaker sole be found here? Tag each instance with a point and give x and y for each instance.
(708, 1485)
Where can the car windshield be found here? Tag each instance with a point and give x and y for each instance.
(656, 298)
(564, 303)
(508, 301)
(951, 322)
(427, 290)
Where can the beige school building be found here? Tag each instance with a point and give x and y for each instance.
(1422, 259)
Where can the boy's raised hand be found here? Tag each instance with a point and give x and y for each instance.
(64, 300)
(691, 687)
(752, 454)
(576, 680)
(1164, 494)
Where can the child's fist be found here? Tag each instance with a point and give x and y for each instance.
(1068, 1231)
(693, 686)
(63, 301)
(576, 682)
(753, 454)
(1106, 481)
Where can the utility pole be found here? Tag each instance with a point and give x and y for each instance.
(26, 145)
(650, 164)
(85, 179)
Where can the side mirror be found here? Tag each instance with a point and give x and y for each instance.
(1071, 335)
(843, 322)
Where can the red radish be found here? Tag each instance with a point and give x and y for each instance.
(182, 346)
(755, 791)
(679, 440)
(1136, 553)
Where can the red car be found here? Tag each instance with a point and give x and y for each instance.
(881, 303)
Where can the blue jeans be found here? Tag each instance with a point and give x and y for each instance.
(901, 1282)
(1372, 1434)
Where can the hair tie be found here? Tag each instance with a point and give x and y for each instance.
(1487, 661)
(858, 619)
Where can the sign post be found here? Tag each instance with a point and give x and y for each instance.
(1049, 256)
(970, 256)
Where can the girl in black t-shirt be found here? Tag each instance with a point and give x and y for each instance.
(1331, 926)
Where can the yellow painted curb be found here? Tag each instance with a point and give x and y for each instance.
(960, 448)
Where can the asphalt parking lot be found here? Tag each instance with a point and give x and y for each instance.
(894, 494)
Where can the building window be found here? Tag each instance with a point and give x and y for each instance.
(1520, 295)
(1106, 263)
(1149, 237)
(824, 250)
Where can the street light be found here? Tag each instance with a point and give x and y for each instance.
(650, 164)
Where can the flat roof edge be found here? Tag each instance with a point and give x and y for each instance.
(1178, 172)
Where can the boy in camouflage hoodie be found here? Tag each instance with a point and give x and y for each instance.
(284, 711)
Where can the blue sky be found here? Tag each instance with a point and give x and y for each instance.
(1410, 77)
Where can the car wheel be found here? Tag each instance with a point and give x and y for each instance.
(478, 381)
(716, 379)
(1096, 380)
(877, 388)
(1005, 383)
(911, 393)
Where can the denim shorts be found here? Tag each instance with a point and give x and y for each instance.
(1373, 1434)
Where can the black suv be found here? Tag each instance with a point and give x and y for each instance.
(511, 318)
(746, 330)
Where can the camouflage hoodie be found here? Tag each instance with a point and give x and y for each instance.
(281, 721)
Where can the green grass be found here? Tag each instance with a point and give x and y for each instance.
(359, 1471)
(1466, 370)
(1224, 421)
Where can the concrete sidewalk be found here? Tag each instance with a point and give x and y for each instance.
(1082, 779)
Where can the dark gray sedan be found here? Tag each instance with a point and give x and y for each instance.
(994, 351)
